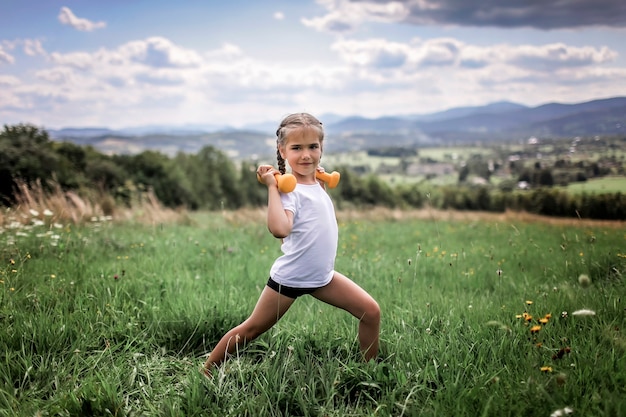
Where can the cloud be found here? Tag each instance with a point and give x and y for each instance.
(9, 80)
(558, 55)
(160, 52)
(33, 47)
(279, 15)
(66, 17)
(142, 81)
(448, 52)
(5, 57)
(345, 15)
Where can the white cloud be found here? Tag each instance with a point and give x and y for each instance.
(33, 47)
(66, 17)
(279, 15)
(154, 79)
(9, 80)
(448, 52)
(5, 57)
(345, 15)
(159, 52)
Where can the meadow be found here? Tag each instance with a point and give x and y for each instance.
(483, 315)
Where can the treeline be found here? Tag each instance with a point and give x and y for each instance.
(206, 180)
(210, 180)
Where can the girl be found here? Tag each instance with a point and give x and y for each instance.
(305, 220)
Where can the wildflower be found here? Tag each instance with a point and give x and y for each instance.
(12, 261)
(33, 212)
(499, 272)
(47, 213)
(584, 312)
(543, 320)
(546, 369)
(564, 314)
(584, 280)
(528, 302)
(535, 329)
(562, 412)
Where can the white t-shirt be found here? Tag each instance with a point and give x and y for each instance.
(308, 259)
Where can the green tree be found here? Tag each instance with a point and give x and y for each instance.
(26, 154)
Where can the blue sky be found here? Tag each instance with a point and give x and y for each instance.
(121, 63)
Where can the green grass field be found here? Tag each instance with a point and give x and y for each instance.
(605, 185)
(480, 318)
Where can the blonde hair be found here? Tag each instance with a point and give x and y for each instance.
(289, 124)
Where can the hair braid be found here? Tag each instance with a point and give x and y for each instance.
(281, 162)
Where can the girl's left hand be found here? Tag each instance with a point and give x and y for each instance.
(321, 169)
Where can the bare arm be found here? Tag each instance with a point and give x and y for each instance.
(279, 220)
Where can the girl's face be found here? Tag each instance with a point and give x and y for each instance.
(303, 151)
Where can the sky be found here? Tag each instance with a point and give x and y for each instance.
(123, 63)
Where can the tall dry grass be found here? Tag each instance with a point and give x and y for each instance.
(34, 201)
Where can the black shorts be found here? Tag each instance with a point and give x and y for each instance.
(291, 292)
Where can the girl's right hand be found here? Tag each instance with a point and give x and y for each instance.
(267, 174)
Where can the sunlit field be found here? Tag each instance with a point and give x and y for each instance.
(599, 186)
(482, 316)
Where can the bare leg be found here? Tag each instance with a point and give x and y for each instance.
(268, 310)
(344, 293)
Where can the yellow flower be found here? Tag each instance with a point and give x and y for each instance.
(535, 329)
(546, 369)
(528, 302)
(543, 320)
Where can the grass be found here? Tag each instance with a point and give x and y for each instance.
(107, 318)
(605, 185)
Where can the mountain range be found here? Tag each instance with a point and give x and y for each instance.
(496, 122)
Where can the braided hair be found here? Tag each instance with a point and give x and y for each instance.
(290, 123)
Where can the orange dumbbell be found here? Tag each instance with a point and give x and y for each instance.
(286, 182)
(331, 179)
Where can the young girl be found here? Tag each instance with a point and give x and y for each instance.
(305, 220)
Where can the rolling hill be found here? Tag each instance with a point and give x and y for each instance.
(501, 121)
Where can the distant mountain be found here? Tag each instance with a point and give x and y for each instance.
(501, 121)
(458, 112)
